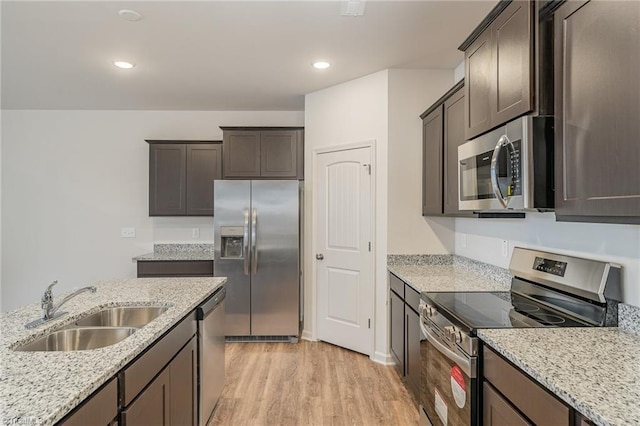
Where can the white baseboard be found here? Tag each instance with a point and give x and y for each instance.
(382, 358)
(306, 335)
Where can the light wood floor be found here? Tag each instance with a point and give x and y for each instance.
(309, 383)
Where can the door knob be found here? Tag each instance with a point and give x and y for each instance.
(319, 256)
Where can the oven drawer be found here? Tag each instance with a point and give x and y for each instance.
(541, 407)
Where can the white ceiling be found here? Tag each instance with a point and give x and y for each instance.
(215, 55)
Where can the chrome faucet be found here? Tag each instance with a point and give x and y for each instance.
(50, 309)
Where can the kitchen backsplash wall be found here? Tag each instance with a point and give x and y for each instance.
(482, 239)
(72, 179)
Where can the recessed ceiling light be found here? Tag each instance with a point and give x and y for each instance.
(129, 15)
(124, 65)
(321, 65)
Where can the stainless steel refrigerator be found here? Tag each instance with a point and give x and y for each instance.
(257, 247)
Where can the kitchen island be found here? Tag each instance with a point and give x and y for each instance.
(595, 370)
(40, 388)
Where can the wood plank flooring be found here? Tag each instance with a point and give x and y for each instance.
(309, 383)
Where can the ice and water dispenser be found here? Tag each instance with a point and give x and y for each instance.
(232, 242)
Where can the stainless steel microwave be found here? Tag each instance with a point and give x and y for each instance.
(510, 167)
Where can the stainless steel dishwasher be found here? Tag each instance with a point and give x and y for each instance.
(211, 317)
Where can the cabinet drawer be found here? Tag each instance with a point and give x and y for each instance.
(497, 411)
(137, 375)
(530, 398)
(397, 285)
(411, 297)
(186, 268)
(99, 409)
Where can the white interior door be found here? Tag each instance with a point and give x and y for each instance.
(344, 258)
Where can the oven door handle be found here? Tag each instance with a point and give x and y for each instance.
(462, 362)
(502, 142)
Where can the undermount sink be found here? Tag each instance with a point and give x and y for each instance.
(78, 339)
(125, 316)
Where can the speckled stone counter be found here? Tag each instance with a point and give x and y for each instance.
(39, 388)
(448, 273)
(596, 370)
(169, 252)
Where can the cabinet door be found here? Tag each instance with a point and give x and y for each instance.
(512, 53)
(412, 356)
(241, 153)
(152, 407)
(453, 138)
(477, 86)
(397, 331)
(279, 151)
(497, 411)
(167, 179)
(183, 373)
(597, 104)
(432, 163)
(204, 164)
(99, 409)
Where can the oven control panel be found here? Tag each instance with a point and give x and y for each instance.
(554, 267)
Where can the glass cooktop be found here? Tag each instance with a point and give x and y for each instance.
(497, 310)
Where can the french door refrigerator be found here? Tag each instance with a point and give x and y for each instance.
(257, 246)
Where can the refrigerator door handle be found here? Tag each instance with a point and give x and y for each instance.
(254, 249)
(245, 239)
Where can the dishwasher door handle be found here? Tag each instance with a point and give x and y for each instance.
(204, 309)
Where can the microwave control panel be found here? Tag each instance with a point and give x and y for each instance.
(515, 188)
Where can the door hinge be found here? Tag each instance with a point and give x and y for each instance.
(368, 166)
(369, 245)
(369, 322)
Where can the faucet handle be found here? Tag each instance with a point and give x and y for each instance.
(48, 293)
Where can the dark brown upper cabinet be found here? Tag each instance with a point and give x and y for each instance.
(453, 138)
(442, 134)
(259, 152)
(499, 68)
(597, 95)
(432, 162)
(181, 175)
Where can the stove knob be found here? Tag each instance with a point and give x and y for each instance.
(428, 311)
(457, 337)
(449, 331)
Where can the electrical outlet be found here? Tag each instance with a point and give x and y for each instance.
(128, 232)
(195, 232)
(505, 248)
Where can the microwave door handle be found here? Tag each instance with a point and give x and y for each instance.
(254, 245)
(245, 241)
(502, 142)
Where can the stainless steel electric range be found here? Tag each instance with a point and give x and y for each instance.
(547, 290)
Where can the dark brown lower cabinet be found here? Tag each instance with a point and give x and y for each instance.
(183, 372)
(175, 268)
(152, 407)
(397, 332)
(101, 408)
(496, 411)
(520, 394)
(412, 355)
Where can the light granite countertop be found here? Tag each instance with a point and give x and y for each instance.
(39, 388)
(596, 370)
(440, 273)
(177, 252)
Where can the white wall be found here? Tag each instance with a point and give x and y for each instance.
(458, 72)
(616, 243)
(411, 92)
(72, 179)
(355, 111)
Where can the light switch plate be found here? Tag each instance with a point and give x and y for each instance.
(128, 232)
